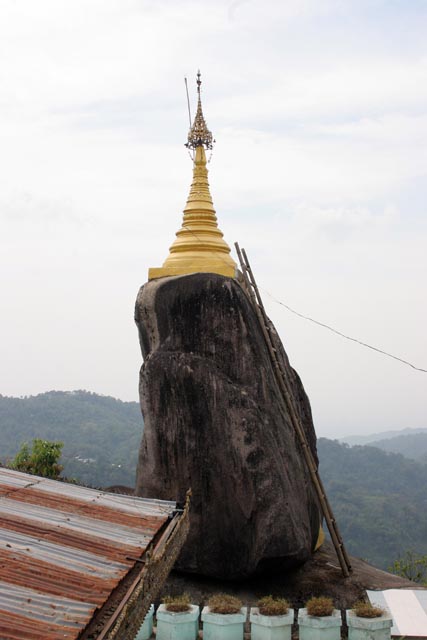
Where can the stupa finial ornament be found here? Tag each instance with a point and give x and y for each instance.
(199, 134)
(199, 246)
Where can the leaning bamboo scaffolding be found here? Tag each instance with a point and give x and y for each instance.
(282, 380)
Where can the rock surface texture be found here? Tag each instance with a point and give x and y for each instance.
(214, 422)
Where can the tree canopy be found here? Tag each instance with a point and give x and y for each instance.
(42, 460)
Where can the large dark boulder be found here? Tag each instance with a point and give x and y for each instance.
(214, 422)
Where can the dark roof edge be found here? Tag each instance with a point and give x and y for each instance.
(123, 613)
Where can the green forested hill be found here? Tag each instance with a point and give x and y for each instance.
(379, 500)
(101, 435)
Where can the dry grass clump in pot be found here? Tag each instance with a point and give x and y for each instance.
(270, 606)
(320, 607)
(177, 604)
(367, 610)
(224, 603)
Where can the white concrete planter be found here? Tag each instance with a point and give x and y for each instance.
(271, 627)
(146, 629)
(223, 626)
(172, 625)
(368, 628)
(319, 628)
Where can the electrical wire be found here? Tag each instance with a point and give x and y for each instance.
(343, 335)
(322, 324)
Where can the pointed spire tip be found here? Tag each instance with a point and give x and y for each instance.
(199, 134)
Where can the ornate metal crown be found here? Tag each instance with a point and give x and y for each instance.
(199, 134)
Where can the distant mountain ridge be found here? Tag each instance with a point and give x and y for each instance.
(412, 446)
(382, 435)
(411, 443)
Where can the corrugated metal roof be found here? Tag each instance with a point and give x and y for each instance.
(63, 549)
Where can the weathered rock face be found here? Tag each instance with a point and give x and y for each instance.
(214, 421)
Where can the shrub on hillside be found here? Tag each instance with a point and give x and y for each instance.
(42, 460)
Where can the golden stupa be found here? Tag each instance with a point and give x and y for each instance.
(199, 246)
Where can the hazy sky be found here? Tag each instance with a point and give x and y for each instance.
(319, 109)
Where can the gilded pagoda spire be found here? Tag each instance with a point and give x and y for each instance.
(199, 245)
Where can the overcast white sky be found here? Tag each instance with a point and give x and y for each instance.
(319, 109)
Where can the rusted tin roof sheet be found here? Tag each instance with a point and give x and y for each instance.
(63, 549)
